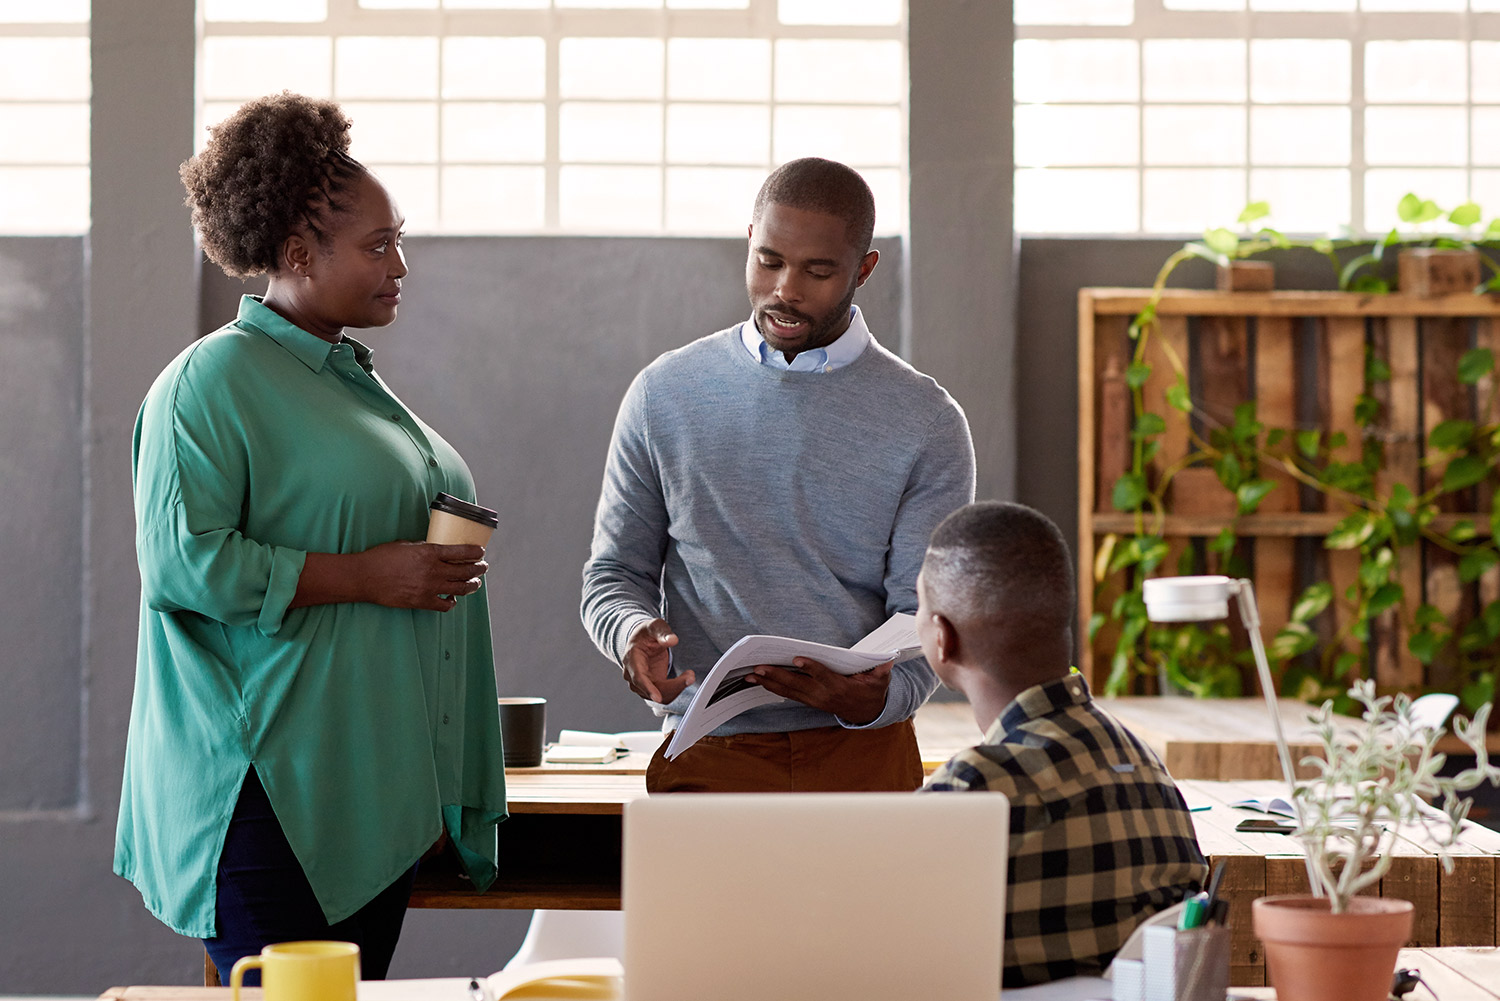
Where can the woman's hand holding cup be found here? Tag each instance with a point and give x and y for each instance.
(422, 574)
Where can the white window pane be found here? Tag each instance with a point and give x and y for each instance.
(839, 11)
(708, 200)
(387, 66)
(1187, 134)
(1076, 11)
(392, 133)
(719, 69)
(44, 133)
(44, 69)
(610, 4)
(49, 12)
(889, 188)
(1486, 63)
(494, 199)
(609, 199)
(871, 136)
(305, 11)
(1484, 188)
(494, 67)
(1077, 69)
(610, 67)
(399, 4)
(1412, 5)
(494, 133)
(1486, 138)
(240, 68)
(718, 134)
(1384, 189)
(1188, 201)
(212, 114)
(1194, 69)
(837, 70)
(1302, 6)
(1303, 201)
(44, 201)
(609, 133)
(1298, 136)
(1416, 72)
(1299, 70)
(1077, 201)
(1484, 6)
(1417, 136)
(415, 192)
(708, 4)
(496, 4)
(1074, 135)
(1204, 4)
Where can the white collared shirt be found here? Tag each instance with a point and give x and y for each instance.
(849, 346)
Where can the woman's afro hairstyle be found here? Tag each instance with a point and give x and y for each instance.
(278, 164)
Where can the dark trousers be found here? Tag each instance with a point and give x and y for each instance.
(264, 897)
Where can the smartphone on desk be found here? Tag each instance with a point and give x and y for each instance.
(1265, 825)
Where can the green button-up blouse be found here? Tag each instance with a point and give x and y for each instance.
(371, 728)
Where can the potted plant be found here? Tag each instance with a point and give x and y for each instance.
(1336, 944)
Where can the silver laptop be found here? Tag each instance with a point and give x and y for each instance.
(814, 896)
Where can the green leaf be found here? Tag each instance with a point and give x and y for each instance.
(1478, 691)
(1466, 214)
(1475, 365)
(1428, 615)
(1370, 285)
(1464, 472)
(1462, 531)
(1366, 409)
(1257, 210)
(1153, 553)
(1401, 497)
(1491, 619)
(1350, 532)
(1495, 521)
(1312, 602)
(1408, 207)
(1473, 638)
(1344, 663)
(1275, 437)
(1150, 449)
(1386, 596)
(1350, 476)
(1130, 492)
(1230, 472)
(1221, 241)
(1377, 369)
(1137, 374)
(1145, 318)
(1251, 493)
(1293, 640)
(1096, 622)
(1337, 440)
(1425, 646)
(1178, 396)
(1149, 424)
(1451, 436)
(1307, 443)
(1223, 542)
(1475, 562)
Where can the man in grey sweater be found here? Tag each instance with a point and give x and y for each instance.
(781, 476)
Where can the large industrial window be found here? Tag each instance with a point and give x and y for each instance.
(44, 117)
(1167, 116)
(581, 116)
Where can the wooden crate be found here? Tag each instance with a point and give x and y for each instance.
(1301, 357)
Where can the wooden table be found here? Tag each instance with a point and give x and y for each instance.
(1454, 974)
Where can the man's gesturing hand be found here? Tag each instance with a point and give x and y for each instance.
(855, 698)
(648, 663)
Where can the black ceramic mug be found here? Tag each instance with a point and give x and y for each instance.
(523, 728)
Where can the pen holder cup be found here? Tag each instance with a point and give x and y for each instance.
(1191, 965)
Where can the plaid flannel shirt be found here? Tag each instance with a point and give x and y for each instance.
(1100, 837)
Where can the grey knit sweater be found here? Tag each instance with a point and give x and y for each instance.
(741, 499)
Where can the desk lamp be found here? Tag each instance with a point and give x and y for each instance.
(1206, 599)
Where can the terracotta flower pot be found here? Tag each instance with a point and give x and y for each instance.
(1315, 955)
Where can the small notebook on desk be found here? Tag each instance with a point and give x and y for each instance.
(581, 979)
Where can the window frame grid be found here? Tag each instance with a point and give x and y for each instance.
(759, 20)
(1153, 21)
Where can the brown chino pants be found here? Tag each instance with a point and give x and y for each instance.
(826, 759)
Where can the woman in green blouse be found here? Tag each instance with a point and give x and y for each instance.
(315, 694)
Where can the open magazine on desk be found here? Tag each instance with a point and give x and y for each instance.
(725, 693)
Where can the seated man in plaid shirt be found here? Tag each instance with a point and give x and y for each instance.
(1100, 837)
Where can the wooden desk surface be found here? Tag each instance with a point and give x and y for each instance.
(1454, 974)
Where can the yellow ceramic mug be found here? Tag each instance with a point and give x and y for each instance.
(303, 971)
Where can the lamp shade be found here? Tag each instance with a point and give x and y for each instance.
(1187, 599)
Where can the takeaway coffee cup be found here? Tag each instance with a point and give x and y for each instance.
(456, 522)
(523, 725)
(303, 971)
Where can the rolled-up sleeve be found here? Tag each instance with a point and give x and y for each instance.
(191, 484)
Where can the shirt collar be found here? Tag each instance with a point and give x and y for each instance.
(849, 346)
(310, 349)
(1039, 701)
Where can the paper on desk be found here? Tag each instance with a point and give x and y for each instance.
(636, 741)
(600, 979)
(724, 693)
